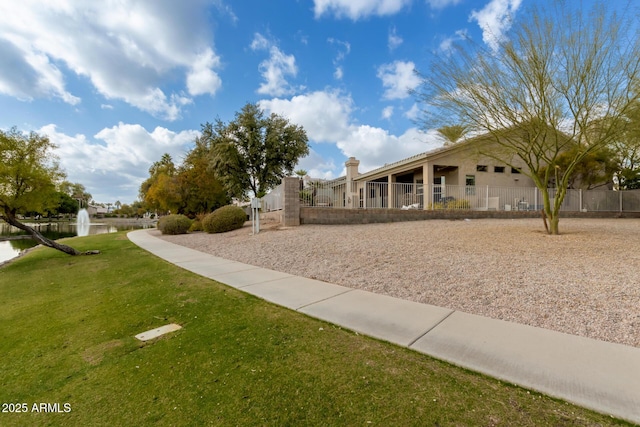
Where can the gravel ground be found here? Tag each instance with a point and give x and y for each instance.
(583, 282)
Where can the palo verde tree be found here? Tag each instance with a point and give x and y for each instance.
(627, 149)
(29, 173)
(595, 170)
(253, 153)
(560, 81)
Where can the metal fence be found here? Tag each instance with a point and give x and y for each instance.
(368, 195)
(324, 194)
(273, 200)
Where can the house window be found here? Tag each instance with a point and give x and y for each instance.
(498, 169)
(470, 182)
(514, 170)
(482, 168)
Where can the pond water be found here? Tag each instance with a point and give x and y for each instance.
(55, 230)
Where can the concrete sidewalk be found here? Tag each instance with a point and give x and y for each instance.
(595, 374)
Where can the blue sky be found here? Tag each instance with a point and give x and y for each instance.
(117, 83)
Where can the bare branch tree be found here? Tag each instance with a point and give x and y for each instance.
(562, 81)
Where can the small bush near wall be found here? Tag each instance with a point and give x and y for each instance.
(451, 204)
(174, 224)
(226, 218)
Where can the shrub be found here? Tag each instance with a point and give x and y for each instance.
(226, 218)
(457, 204)
(174, 224)
(196, 225)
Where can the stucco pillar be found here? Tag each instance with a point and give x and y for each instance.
(351, 189)
(291, 202)
(391, 191)
(426, 186)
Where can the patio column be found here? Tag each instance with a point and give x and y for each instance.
(351, 190)
(426, 186)
(391, 192)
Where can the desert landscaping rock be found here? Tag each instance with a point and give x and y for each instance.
(584, 282)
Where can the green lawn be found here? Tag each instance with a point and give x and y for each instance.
(67, 337)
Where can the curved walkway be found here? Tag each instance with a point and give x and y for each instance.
(595, 374)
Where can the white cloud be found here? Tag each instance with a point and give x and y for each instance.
(394, 40)
(413, 112)
(202, 79)
(447, 44)
(260, 42)
(326, 116)
(356, 9)
(323, 114)
(117, 160)
(302, 38)
(126, 49)
(27, 74)
(495, 20)
(441, 4)
(344, 48)
(398, 78)
(317, 166)
(375, 147)
(274, 69)
(387, 112)
(225, 9)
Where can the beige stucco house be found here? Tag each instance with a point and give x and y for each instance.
(457, 175)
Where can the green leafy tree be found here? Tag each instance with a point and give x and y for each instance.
(160, 191)
(189, 189)
(253, 153)
(200, 190)
(78, 192)
(596, 169)
(28, 175)
(561, 79)
(66, 204)
(127, 210)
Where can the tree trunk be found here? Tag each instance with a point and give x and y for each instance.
(550, 212)
(35, 235)
(553, 224)
(544, 220)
